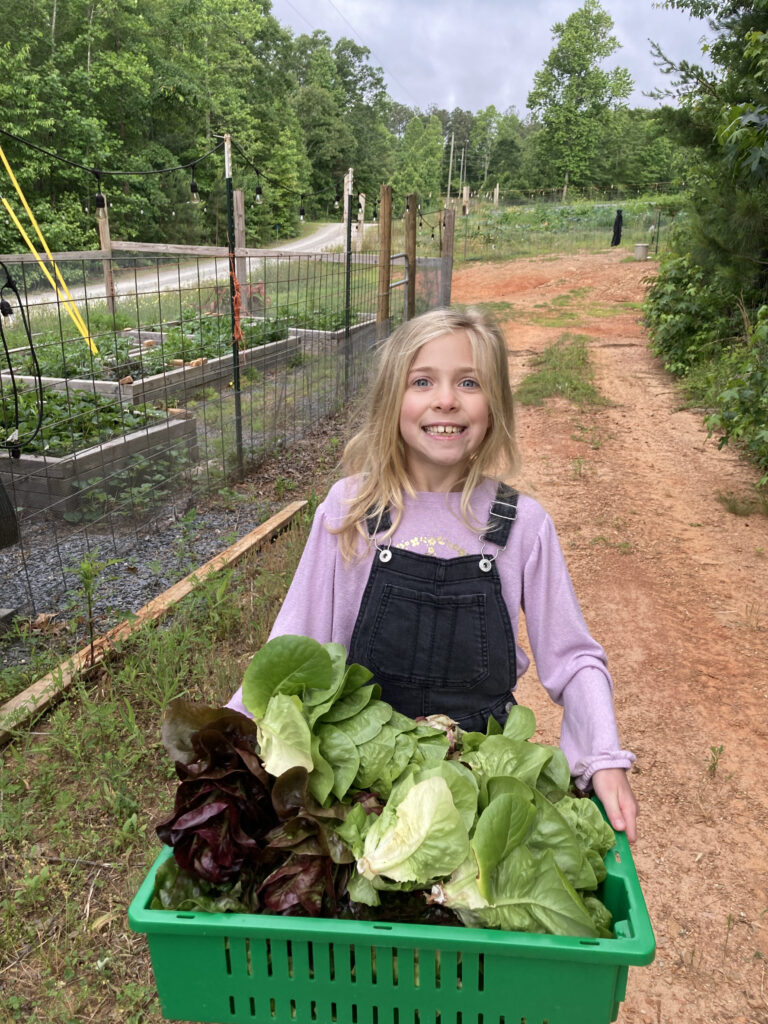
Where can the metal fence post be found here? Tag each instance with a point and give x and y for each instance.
(347, 295)
(235, 346)
(446, 259)
(411, 204)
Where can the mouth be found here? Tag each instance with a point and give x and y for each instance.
(441, 429)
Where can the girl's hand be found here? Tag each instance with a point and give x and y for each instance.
(612, 788)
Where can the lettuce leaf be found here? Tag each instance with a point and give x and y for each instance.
(422, 838)
(284, 735)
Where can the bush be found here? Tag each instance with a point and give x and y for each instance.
(742, 406)
(686, 314)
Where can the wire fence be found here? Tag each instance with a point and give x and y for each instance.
(529, 230)
(196, 366)
(185, 381)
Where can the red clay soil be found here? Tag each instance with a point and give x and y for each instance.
(673, 584)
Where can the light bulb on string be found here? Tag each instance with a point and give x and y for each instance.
(194, 193)
(301, 209)
(100, 199)
(258, 194)
(6, 309)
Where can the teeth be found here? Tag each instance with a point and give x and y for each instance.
(440, 429)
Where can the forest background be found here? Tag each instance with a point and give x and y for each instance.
(132, 98)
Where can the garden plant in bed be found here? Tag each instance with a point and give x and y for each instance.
(329, 803)
(120, 354)
(72, 421)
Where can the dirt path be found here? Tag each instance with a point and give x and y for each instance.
(674, 586)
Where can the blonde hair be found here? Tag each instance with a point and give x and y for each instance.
(376, 453)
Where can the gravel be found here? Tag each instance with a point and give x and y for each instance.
(38, 576)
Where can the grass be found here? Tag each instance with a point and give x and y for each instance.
(562, 370)
(81, 791)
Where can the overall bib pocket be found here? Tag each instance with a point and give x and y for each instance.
(420, 638)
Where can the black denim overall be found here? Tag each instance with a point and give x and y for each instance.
(436, 632)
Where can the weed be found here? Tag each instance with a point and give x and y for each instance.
(562, 370)
(715, 753)
(588, 435)
(88, 573)
(282, 485)
(736, 505)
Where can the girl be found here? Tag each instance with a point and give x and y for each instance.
(420, 561)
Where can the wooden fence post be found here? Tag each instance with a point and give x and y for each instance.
(105, 243)
(385, 265)
(411, 212)
(241, 265)
(446, 263)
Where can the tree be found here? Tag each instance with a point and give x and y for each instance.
(573, 95)
(482, 138)
(505, 157)
(417, 162)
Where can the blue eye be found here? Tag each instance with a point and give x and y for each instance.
(420, 382)
(468, 382)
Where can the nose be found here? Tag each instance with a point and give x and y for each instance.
(444, 396)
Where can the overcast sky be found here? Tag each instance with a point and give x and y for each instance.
(456, 53)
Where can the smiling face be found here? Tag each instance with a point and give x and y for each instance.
(444, 415)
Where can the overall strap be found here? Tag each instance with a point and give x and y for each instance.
(502, 514)
(375, 524)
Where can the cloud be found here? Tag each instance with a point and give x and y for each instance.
(453, 54)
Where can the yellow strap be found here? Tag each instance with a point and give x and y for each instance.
(69, 303)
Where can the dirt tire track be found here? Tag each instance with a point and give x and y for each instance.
(674, 586)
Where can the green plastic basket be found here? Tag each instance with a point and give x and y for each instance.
(246, 968)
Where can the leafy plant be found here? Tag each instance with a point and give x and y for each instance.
(74, 420)
(329, 798)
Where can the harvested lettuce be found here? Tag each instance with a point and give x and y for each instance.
(330, 801)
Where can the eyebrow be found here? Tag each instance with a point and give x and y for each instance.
(461, 371)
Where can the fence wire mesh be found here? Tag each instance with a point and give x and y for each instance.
(174, 392)
(192, 375)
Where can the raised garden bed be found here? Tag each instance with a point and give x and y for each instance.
(330, 341)
(37, 482)
(177, 381)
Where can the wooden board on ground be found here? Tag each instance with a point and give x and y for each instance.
(42, 694)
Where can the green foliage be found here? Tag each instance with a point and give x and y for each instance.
(562, 370)
(706, 312)
(73, 420)
(684, 314)
(572, 93)
(417, 161)
(742, 406)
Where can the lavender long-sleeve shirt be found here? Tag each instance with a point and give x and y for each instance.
(324, 599)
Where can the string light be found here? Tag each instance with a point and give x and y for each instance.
(100, 199)
(194, 194)
(301, 209)
(258, 195)
(6, 309)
